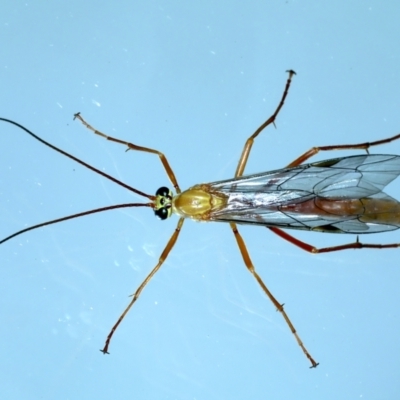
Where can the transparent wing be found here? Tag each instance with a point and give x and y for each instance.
(338, 195)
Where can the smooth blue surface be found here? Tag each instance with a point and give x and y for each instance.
(194, 80)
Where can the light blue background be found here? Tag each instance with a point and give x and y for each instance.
(194, 80)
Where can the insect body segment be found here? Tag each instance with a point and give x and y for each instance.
(199, 203)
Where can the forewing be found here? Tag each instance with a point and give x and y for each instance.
(258, 199)
(356, 177)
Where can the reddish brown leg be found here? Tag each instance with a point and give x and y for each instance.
(132, 146)
(136, 295)
(315, 250)
(279, 307)
(360, 146)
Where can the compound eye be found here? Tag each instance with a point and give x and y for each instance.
(161, 213)
(163, 191)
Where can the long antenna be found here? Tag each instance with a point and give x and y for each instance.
(111, 178)
(81, 214)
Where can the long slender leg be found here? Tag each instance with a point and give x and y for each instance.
(279, 307)
(311, 249)
(359, 146)
(271, 120)
(132, 146)
(136, 295)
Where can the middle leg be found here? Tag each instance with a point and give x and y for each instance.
(271, 120)
(279, 307)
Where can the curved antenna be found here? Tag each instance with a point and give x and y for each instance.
(111, 178)
(81, 214)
